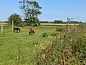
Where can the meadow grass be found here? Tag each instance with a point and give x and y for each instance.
(22, 48)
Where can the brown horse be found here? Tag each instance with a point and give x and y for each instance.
(31, 31)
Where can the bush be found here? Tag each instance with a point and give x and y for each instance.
(44, 34)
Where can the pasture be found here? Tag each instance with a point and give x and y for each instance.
(22, 48)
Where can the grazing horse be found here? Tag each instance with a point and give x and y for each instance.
(16, 29)
(31, 30)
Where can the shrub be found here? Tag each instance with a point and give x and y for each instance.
(44, 34)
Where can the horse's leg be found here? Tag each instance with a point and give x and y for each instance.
(33, 31)
(17, 30)
(29, 32)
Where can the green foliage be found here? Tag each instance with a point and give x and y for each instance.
(33, 22)
(67, 48)
(15, 18)
(78, 50)
(80, 47)
(44, 34)
(58, 21)
(31, 9)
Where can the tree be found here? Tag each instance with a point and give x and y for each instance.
(15, 18)
(58, 21)
(31, 10)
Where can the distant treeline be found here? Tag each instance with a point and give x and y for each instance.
(60, 21)
(55, 21)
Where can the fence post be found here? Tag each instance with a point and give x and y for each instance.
(1, 27)
(12, 26)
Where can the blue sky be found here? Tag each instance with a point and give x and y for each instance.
(51, 9)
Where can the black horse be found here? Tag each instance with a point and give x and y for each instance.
(16, 29)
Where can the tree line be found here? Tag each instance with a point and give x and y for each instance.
(60, 21)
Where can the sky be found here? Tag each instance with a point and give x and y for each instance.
(51, 9)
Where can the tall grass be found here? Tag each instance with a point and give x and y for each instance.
(68, 48)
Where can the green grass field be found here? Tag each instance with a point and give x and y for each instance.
(22, 48)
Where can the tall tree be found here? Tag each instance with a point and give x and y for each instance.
(31, 9)
(15, 18)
